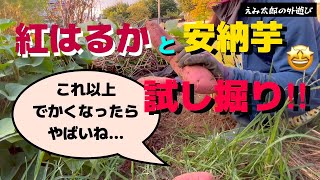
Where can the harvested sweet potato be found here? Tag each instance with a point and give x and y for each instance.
(195, 176)
(202, 78)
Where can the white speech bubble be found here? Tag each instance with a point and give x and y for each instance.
(128, 134)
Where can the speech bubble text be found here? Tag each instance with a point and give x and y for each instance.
(87, 114)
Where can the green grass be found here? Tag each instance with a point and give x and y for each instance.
(255, 153)
(260, 151)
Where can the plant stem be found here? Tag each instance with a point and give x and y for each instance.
(16, 72)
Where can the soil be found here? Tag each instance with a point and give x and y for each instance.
(305, 153)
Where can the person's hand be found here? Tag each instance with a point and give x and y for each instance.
(204, 58)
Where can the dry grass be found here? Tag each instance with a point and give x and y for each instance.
(134, 67)
(305, 153)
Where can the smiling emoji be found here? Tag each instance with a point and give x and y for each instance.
(300, 57)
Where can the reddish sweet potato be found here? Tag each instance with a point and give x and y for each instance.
(195, 176)
(199, 76)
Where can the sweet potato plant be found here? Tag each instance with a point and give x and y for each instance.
(21, 160)
(18, 159)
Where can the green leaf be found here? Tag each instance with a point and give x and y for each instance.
(30, 78)
(74, 164)
(6, 127)
(69, 67)
(82, 41)
(31, 61)
(46, 67)
(28, 169)
(12, 91)
(47, 44)
(6, 72)
(29, 150)
(3, 85)
(73, 66)
(38, 164)
(6, 23)
(14, 139)
(40, 175)
(57, 68)
(85, 58)
(10, 164)
(86, 55)
(10, 49)
(6, 65)
(34, 61)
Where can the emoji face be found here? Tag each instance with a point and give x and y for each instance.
(300, 57)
